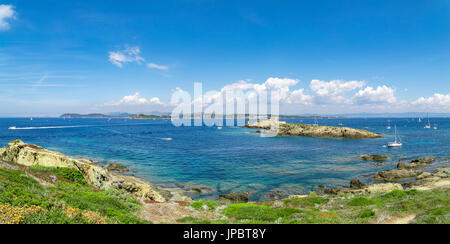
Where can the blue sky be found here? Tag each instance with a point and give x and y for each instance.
(105, 56)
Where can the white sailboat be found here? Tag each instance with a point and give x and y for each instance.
(31, 118)
(397, 142)
(420, 120)
(389, 125)
(428, 125)
(316, 122)
(435, 127)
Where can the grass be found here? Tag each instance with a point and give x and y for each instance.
(19, 190)
(70, 174)
(212, 205)
(23, 200)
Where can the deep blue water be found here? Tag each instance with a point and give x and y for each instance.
(232, 160)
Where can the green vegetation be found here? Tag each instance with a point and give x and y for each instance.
(212, 205)
(428, 206)
(70, 174)
(310, 201)
(68, 202)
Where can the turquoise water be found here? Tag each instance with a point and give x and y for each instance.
(231, 159)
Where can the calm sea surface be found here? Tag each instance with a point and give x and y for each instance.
(231, 159)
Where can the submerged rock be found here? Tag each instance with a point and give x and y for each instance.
(18, 152)
(396, 174)
(117, 168)
(374, 157)
(236, 197)
(416, 163)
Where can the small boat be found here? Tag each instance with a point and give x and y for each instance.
(389, 125)
(428, 125)
(12, 128)
(316, 122)
(31, 118)
(219, 128)
(435, 127)
(397, 142)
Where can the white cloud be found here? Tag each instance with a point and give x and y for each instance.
(381, 95)
(299, 97)
(135, 99)
(436, 99)
(157, 66)
(333, 91)
(130, 54)
(6, 13)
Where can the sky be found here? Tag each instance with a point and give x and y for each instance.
(325, 57)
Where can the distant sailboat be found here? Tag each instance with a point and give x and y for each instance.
(397, 142)
(316, 122)
(389, 125)
(435, 127)
(428, 125)
(420, 120)
(31, 118)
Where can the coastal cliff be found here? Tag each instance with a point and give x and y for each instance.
(18, 152)
(289, 129)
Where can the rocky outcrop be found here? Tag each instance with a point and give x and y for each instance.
(396, 174)
(285, 129)
(374, 157)
(375, 188)
(429, 181)
(266, 124)
(18, 152)
(236, 197)
(356, 184)
(117, 168)
(416, 163)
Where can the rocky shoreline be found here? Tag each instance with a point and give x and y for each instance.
(163, 206)
(20, 153)
(289, 129)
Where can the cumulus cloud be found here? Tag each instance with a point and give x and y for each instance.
(333, 91)
(6, 13)
(135, 99)
(130, 54)
(157, 66)
(436, 99)
(380, 95)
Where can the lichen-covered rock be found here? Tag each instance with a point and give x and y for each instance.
(416, 163)
(286, 129)
(18, 152)
(374, 157)
(388, 187)
(375, 188)
(396, 174)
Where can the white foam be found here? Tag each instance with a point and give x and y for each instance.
(47, 127)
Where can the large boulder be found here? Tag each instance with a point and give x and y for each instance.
(18, 152)
(396, 174)
(416, 163)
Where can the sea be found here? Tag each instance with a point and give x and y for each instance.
(230, 158)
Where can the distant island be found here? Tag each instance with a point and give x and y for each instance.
(100, 116)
